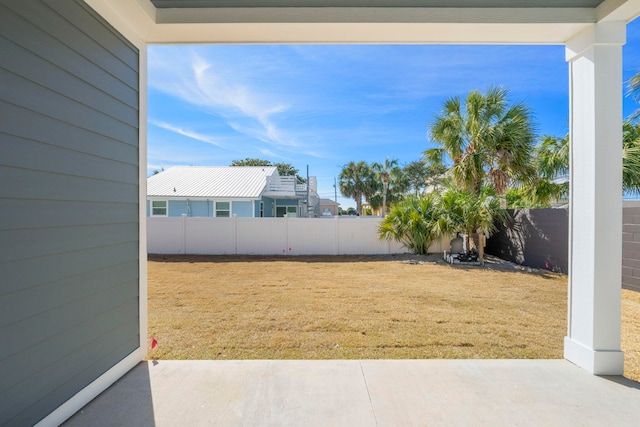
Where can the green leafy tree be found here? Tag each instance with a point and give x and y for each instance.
(631, 157)
(421, 174)
(284, 169)
(251, 162)
(488, 140)
(416, 221)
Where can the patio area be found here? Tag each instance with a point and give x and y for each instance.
(363, 393)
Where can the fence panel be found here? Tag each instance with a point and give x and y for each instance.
(631, 246)
(204, 236)
(312, 236)
(165, 236)
(535, 237)
(359, 236)
(261, 236)
(272, 236)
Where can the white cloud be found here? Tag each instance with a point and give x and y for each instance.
(188, 133)
(222, 91)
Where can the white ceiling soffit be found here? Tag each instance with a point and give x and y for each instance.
(509, 25)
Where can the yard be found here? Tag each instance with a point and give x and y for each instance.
(361, 307)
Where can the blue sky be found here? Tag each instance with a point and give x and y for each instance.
(325, 105)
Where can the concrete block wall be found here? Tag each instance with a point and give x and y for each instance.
(631, 245)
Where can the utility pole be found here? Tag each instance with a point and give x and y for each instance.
(308, 183)
(335, 190)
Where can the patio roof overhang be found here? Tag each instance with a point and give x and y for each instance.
(593, 32)
(317, 21)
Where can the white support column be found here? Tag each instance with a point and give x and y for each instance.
(595, 230)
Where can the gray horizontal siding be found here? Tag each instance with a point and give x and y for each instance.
(59, 160)
(61, 27)
(28, 124)
(52, 104)
(69, 203)
(39, 271)
(39, 185)
(23, 214)
(59, 80)
(39, 242)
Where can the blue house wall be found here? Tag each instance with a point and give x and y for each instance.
(196, 208)
(269, 207)
(242, 209)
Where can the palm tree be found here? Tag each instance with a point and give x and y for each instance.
(411, 223)
(354, 182)
(631, 157)
(551, 164)
(488, 141)
(461, 210)
(372, 187)
(416, 221)
(385, 174)
(551, 161)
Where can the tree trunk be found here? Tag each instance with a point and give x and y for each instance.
(384, 199)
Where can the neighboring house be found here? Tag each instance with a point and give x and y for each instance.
(224, 191)
(328, 207)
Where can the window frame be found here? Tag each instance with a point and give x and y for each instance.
(166, 208)
(216, 210)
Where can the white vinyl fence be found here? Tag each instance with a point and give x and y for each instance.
(270, 236)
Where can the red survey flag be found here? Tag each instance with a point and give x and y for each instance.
(154, 343)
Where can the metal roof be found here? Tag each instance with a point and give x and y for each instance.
(210, 181)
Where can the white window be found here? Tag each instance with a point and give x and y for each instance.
(158, 208)
(327, 212)
(223, 209)
(291, 211)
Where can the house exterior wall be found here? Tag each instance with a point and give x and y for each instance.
(69, 295)
(177, 208)
(328, 210)
(200, 208)
(205, 208)
(242, 209)
(269, 207)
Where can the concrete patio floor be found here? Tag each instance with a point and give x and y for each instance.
(358, 393)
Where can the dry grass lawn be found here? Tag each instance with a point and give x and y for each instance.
(358, 307)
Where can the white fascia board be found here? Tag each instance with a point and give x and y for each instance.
(141, 22)
(365, 33)
(618, 10)
(327, 15)
(370, 25)
(132, 18)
